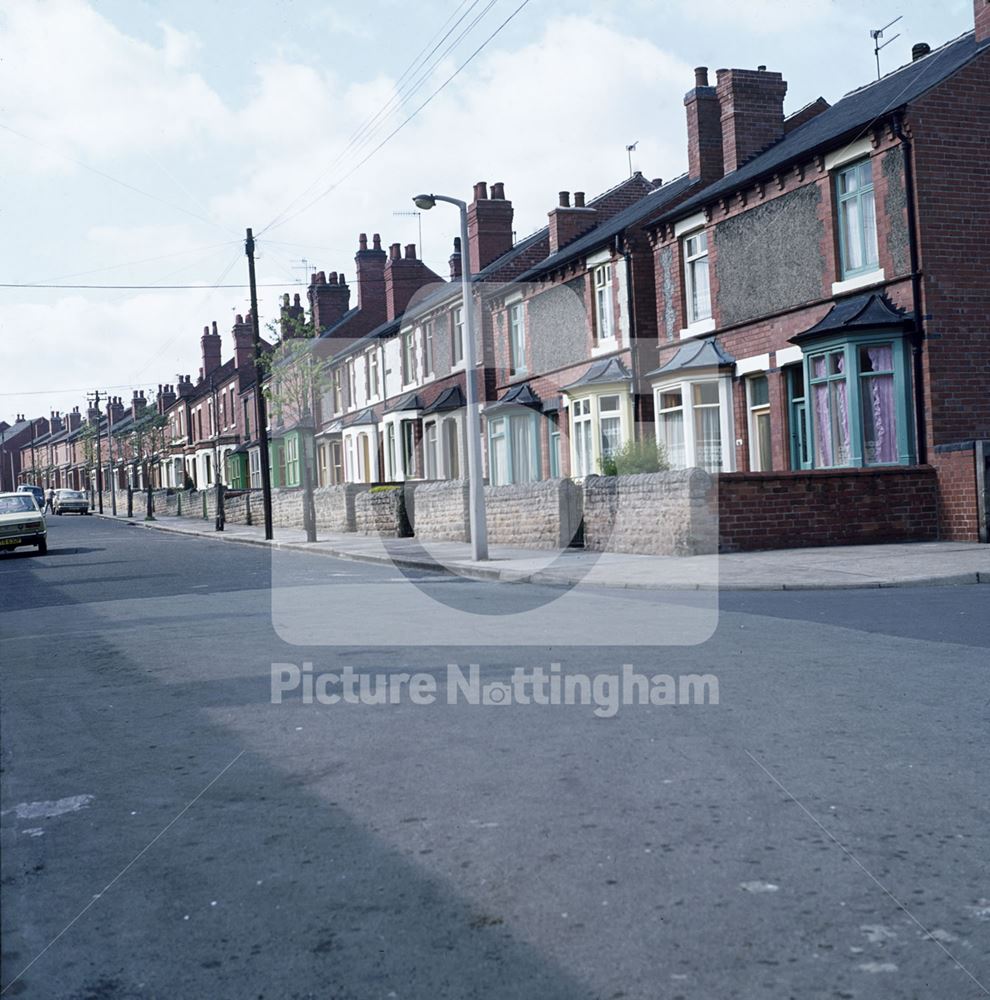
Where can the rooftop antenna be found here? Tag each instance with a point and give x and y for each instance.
(629, 153)
(303, 266)
(876, 34)
(419, 220)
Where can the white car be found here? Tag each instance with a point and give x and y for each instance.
(21, 523)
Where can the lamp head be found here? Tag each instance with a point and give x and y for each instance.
(424, 201)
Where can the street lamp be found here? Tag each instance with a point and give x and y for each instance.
(476, 487)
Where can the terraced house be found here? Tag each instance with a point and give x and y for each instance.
(822, 329)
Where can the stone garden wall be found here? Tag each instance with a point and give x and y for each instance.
(544, 515)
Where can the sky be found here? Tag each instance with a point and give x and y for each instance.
(139, 139)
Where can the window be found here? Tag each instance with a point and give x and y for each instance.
(371, 374)
(430, 450)
(457, 338)
(603, 302)
(670, 426)
(323, 473)
(408, 448)
(451, 448)
(581, 435)
(554, 442)
(857, 219)
(350, 465)
(517, 339)
(351, 384)
(859, 404)
(758, 401)
(291, 461)
(255, 458)
(390, 470)
(428, 352)
(694, 423)
(223, 410)
(408, 357)
(512, 449)
(699, 303)
(798, 417)
(610, 425)
(338, 394)
(336, 463)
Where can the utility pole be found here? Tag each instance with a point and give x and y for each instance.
(94, 399)
(629, 153)
(113, 471)
(266, 483)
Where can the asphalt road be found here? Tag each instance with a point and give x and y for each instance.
(168, 832)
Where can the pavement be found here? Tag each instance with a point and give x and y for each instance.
(841, 567)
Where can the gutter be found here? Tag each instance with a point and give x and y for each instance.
(919, 319)
(633, 335)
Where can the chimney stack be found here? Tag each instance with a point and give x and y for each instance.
(138, 404)
(981, 19)
(243, 334)
(329, 299)
(73, 420)
(704, 129)
(455, 260)
(567, 223)
(752, 104)
(489, 225)
(184, 386)
(211, 350)
(404, 276)
(370, 267)
(117, 409)
(166, 398)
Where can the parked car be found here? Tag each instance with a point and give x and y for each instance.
(36, 491)
(71, 502)
(22, 522)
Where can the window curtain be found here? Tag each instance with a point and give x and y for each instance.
(879, 411)
(522, 450)
(672, 437)
(709, 438)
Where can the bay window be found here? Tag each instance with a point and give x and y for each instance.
(694, 423)
(513, 449)
(600, 424)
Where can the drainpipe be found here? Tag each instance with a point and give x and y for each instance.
(919, 322)
(633, 339)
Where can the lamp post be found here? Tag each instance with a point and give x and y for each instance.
(476, 487)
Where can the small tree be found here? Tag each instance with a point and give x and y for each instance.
(635, 457)
(294, 377)
(146, 442)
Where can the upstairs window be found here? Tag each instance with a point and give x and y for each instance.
(408, 357)
(338, 393)
(457, 337)
(603, 302)
(517, 339)
(857, 219)
(699, 301)
(371, 374)
(428, 352)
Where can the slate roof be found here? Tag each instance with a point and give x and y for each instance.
(869, 311)
(605, 372)
(452, 398)
(518, 395)
(410, 401)
(365, 416)
(856, 110)
(707, 353)
(645, 208)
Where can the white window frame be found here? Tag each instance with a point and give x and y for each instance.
(516, 318)
(726, 422)
(457, 338)
(585, 407)
(371, 374)
(695, 316)
(429, 350)
(407, 364)
(604, 319)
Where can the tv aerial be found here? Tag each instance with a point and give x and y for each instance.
(876, 34)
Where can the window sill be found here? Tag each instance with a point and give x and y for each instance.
(859, 281)
(699, 329)
(609, 346)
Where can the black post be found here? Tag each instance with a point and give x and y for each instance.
(262, 418)
(218, 486)
(130, 500)
(99, 454)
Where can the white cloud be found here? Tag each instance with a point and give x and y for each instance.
(75, 83)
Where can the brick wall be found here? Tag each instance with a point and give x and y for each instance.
(661, 513)
(779, 510)
(957, 494)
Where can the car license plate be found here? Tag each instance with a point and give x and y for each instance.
(10, 541)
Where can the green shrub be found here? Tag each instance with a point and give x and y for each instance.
(635, 457)
(383, 489)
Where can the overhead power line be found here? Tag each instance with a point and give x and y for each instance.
(151, 288)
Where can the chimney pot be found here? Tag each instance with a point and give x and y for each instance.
(394, 251)
(919, 50)
(701, 76)
(410, 251)
(498, 191)
(579, 199)
(237, 319)
(362, 241)
(215, 334)
(762, 69)
(564, 199)
(457, 244)
(295, 299)
(376, 242)
(481, 191)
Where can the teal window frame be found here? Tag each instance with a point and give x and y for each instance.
(854, 378)
(506, 420)
(797, 418)
(858, 197)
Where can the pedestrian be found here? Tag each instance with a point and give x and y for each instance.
(50, 501)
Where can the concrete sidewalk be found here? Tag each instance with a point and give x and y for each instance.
(839, 567)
